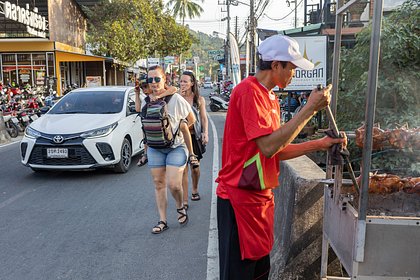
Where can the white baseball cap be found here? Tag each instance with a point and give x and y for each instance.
(283, 48)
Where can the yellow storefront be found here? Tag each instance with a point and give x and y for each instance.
(33, 61)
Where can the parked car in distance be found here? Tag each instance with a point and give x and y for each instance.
(86, 129)
(208, 85)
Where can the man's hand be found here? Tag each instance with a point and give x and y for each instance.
(319, 99)
(326, 142)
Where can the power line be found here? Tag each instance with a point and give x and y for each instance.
(263, 8)
(286, 15)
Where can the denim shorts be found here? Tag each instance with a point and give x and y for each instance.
(164, 157)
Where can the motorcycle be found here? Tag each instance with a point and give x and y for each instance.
(218, 102)
(11, 125)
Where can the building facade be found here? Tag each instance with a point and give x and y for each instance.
(43, 43)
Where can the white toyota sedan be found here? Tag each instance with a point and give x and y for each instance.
(88, 128)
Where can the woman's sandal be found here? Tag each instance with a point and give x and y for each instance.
(186, 206)
(193, 160)
(143, 160)
(159, 229)
(183, 214)
(195, 196)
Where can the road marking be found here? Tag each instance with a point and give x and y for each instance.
(8, 144)
(15, 197)
(213, 242)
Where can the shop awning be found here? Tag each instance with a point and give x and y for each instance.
(71, 57)
(62, 56)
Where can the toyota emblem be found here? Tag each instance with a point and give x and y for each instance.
(58, 139)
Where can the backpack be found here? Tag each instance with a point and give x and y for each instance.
(157, 128)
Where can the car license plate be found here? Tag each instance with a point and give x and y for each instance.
(57, 153)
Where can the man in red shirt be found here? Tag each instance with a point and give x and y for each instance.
(253, 144)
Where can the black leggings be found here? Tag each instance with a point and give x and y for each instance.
(231, 265)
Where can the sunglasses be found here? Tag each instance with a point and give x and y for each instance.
(157, 80)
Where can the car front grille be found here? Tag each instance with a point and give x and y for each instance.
(77, 155)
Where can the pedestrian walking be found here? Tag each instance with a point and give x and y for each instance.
(142, 88)
(253, 144)
(167, 164)
(199, 131)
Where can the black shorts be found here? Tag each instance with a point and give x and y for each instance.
(231, 265)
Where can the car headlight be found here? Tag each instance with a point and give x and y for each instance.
(32, 133)
(100, 132)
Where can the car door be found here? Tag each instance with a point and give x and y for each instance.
(134, 124)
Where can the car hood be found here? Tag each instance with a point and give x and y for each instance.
(73, 123)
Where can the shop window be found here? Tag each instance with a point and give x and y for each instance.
(9, 74)
(24, 59)
(38, 59)
(24, 75)
(39, 74)
(8, 59)
(50, 64)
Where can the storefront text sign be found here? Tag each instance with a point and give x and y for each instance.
(151, 61)
(35, 23)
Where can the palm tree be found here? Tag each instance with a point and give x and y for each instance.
(185, 8)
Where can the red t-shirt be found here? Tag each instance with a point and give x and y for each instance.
(247, 176)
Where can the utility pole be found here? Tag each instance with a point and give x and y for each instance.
(236, 28)
(252, 46)
(227, 58)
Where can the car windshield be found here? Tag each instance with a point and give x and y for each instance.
(90, 102)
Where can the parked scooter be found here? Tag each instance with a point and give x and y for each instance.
(11, 127)
(218, 102)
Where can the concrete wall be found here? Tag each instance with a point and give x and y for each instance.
(67, 23)
(298, 227)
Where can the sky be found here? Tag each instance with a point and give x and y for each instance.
(210, 19)
(276, 16)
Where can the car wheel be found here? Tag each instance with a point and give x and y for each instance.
(125, 160)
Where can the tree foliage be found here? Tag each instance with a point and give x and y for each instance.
(398, 97)
(132, 29)
(202, 44)
(185, 8)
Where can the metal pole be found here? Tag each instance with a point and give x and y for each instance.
(227, 59)
(370, 105)
(252, 37)
(296, 13)
(335, 71)
(104, 71)
(369, 120)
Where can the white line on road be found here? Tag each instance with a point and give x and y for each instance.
(8, 144)
(213, 243)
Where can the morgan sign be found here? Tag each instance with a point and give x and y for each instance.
(313, 48)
